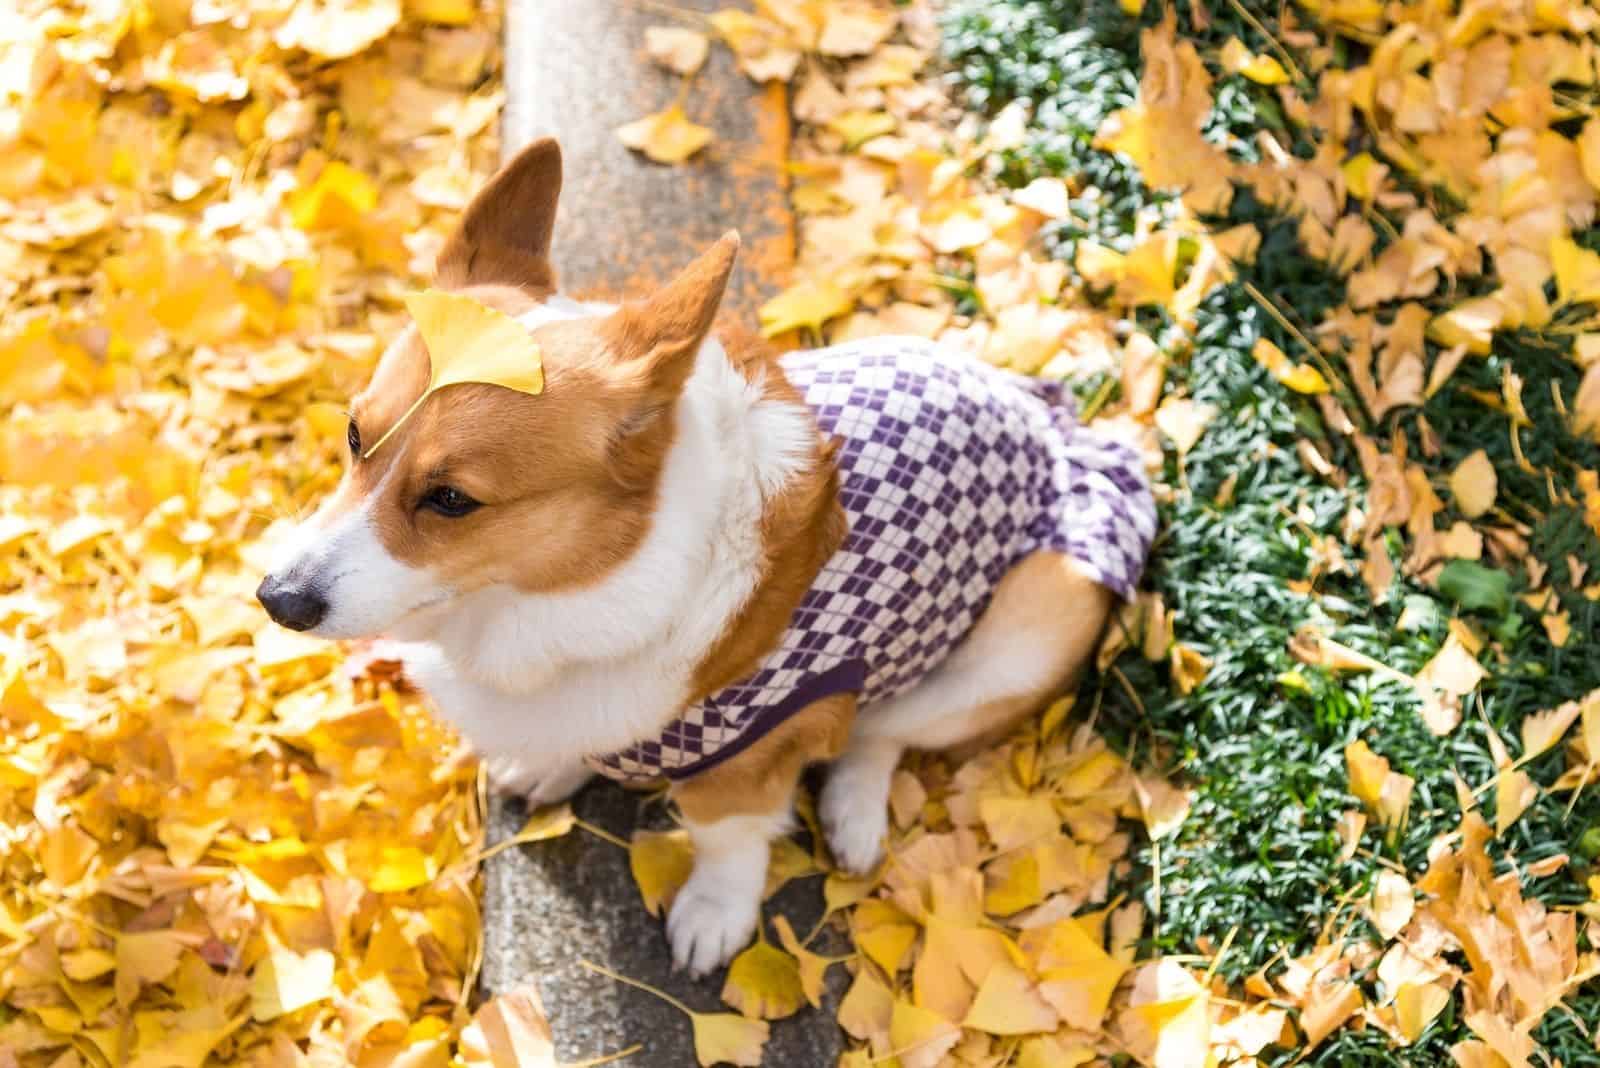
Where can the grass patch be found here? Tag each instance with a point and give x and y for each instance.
(1259, 855)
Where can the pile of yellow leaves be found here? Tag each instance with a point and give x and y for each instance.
(220, 846)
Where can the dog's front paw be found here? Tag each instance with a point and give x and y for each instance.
(510, 776)
(557, 786)
(540, 785)
(854, 809)
(709, 922)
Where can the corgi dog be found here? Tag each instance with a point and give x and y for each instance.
(694, 561)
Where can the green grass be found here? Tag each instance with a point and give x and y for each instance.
(1258, 854)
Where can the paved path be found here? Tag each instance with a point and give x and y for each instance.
(577, 69)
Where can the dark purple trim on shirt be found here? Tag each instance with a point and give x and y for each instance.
(848, 677)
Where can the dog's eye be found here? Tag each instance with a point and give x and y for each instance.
(353, 437)
(448, 501)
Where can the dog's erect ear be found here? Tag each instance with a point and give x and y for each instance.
(658, 338)
(504, 235)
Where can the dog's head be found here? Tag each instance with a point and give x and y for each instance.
(485, 486)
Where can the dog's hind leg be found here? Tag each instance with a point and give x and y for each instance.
(1040, 629)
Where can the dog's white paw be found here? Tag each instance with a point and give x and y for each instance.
(540, 785)
(510, 776)
(854, 809)
(710, 921)
(558, 786)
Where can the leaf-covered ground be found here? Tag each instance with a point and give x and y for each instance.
(1332, 267)
(217, 848)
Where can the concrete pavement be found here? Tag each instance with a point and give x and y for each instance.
(577, 69)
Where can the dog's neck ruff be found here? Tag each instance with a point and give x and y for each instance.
(950, 473)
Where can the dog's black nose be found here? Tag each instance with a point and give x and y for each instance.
(290, 604)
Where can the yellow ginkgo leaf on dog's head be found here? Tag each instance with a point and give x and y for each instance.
(468, 341)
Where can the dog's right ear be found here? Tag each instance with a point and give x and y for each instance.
(504, 235)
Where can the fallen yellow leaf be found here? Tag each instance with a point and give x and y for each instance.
(763, 983)
(1008, 1003)
(665, 136)
(1416, 1005)
(1392, 903)
(727, 1038)
(807, 303)
(1474, 485)
(509, 1031)
(679, 50)
(660, 862)
(284, 981)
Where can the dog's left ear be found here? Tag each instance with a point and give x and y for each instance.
(504, 235)
(655, 340)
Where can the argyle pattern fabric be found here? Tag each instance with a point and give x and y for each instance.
(951, 471)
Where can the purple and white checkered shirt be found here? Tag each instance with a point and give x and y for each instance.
(950, 472)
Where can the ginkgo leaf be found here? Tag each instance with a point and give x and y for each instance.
(1300, 377)
(284, 981)
(763, 983)
(1392, 903)
(1474, 484)
(1047, 196)
(788, 861)
(666, 136)
(1327, 1006)
(808, 303)
(339, 191)
(1514, 792)
(867, 1007)
(1018, 821)
(719, 1037)
(920, 1037)
(859, 127)
(1189, 667)
(813, 967)
(727, 1038)
(1541, 730)
(1162, 805)
(1237, 59)
(509, 1030)
(1008, 1003)
(660, 862)
(145, 957)
(334, 29)
(840, 891)
(1168, 1016)
(887, 944)
(468, 341)
(1470, 324)
(679, 50)
(550, 821)
(1416, 1005)
(1577, 271)
(401, 868)
(855, 30)
(1183, 421)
